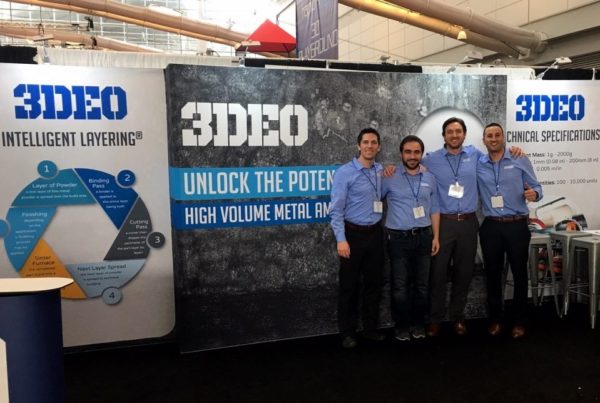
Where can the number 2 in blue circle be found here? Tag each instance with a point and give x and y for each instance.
(126, 178)
(47, 169)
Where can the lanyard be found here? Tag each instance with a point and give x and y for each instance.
(412, 190)
(370, 181)
(497, 176)
(455, 172)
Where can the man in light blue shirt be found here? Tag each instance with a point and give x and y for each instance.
(455, 170)
(356, 211)
(505, 187)
(412, 227)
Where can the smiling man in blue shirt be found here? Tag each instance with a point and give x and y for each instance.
(356, 211)
(455, 169)
(505, 187)
(412, 223)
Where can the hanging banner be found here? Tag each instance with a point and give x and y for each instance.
(556, 123)
(251, 165)
(317, 29)
(83, 156)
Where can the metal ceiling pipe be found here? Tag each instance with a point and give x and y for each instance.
(431, 24)
(149, 18)
(27, 32)
(468, 20)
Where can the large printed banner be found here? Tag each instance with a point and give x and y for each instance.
(83, 156)
(317, 29)
(558, 124)
(251, 155)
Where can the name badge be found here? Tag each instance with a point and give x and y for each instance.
(457, 191)
(377, 206)
(497, 202)
(419, 212)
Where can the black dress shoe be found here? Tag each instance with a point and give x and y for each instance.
(460, 328)
(518, 332)
(433, 329)
(494, 329)
(348, 342)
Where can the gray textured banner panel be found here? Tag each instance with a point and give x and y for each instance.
(259, 281)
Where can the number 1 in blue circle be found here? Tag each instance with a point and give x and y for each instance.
(47, 169)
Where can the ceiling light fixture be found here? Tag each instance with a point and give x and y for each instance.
(471, 55)
(554, 65)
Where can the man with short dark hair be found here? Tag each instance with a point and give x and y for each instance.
(505, 186)
(412, 227)
(455, 169)
(356, 211)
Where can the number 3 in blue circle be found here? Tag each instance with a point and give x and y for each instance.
(47, 169)
(126, 178)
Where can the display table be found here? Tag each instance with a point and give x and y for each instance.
(31, 345)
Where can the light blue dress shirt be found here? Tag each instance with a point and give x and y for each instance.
(449, 169)
(506, 178)
(403, 192)
(353, 192)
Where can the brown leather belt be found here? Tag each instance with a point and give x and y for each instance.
(508, 218)
(362, 228)
(457, 217)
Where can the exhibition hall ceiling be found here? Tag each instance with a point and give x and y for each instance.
(238, 15)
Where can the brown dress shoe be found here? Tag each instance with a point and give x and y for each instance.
(460, 328)
(433, 329)
(518, 332)
(494, 329)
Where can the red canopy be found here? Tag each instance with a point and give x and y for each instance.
(272, 39)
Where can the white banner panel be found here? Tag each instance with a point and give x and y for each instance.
(83, 156)
(558, 125)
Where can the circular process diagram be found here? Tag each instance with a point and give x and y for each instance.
(32, 211)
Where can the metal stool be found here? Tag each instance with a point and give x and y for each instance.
(538, 286)
(591, 245)
(565, 237)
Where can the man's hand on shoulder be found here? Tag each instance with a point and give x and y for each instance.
(516, 152)
(389, 170)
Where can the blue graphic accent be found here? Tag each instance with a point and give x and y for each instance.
(249, 214)
(4, 228)
(47, 169)
(27, 227)
(541, 108)
(90, 102)
(115, 201)
(63, 189)
(94, 278)
(250, 183)
(35, 206)
(126, 178)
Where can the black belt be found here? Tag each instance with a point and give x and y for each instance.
(458, 216)
(362, 228)
(508, 218)
(410, 232)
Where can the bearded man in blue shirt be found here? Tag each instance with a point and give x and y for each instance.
(356, 211)
(412, 226)
(505, 186)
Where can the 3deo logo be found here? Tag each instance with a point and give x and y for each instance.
(205, 115)
(61, 102)
(539, 108)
